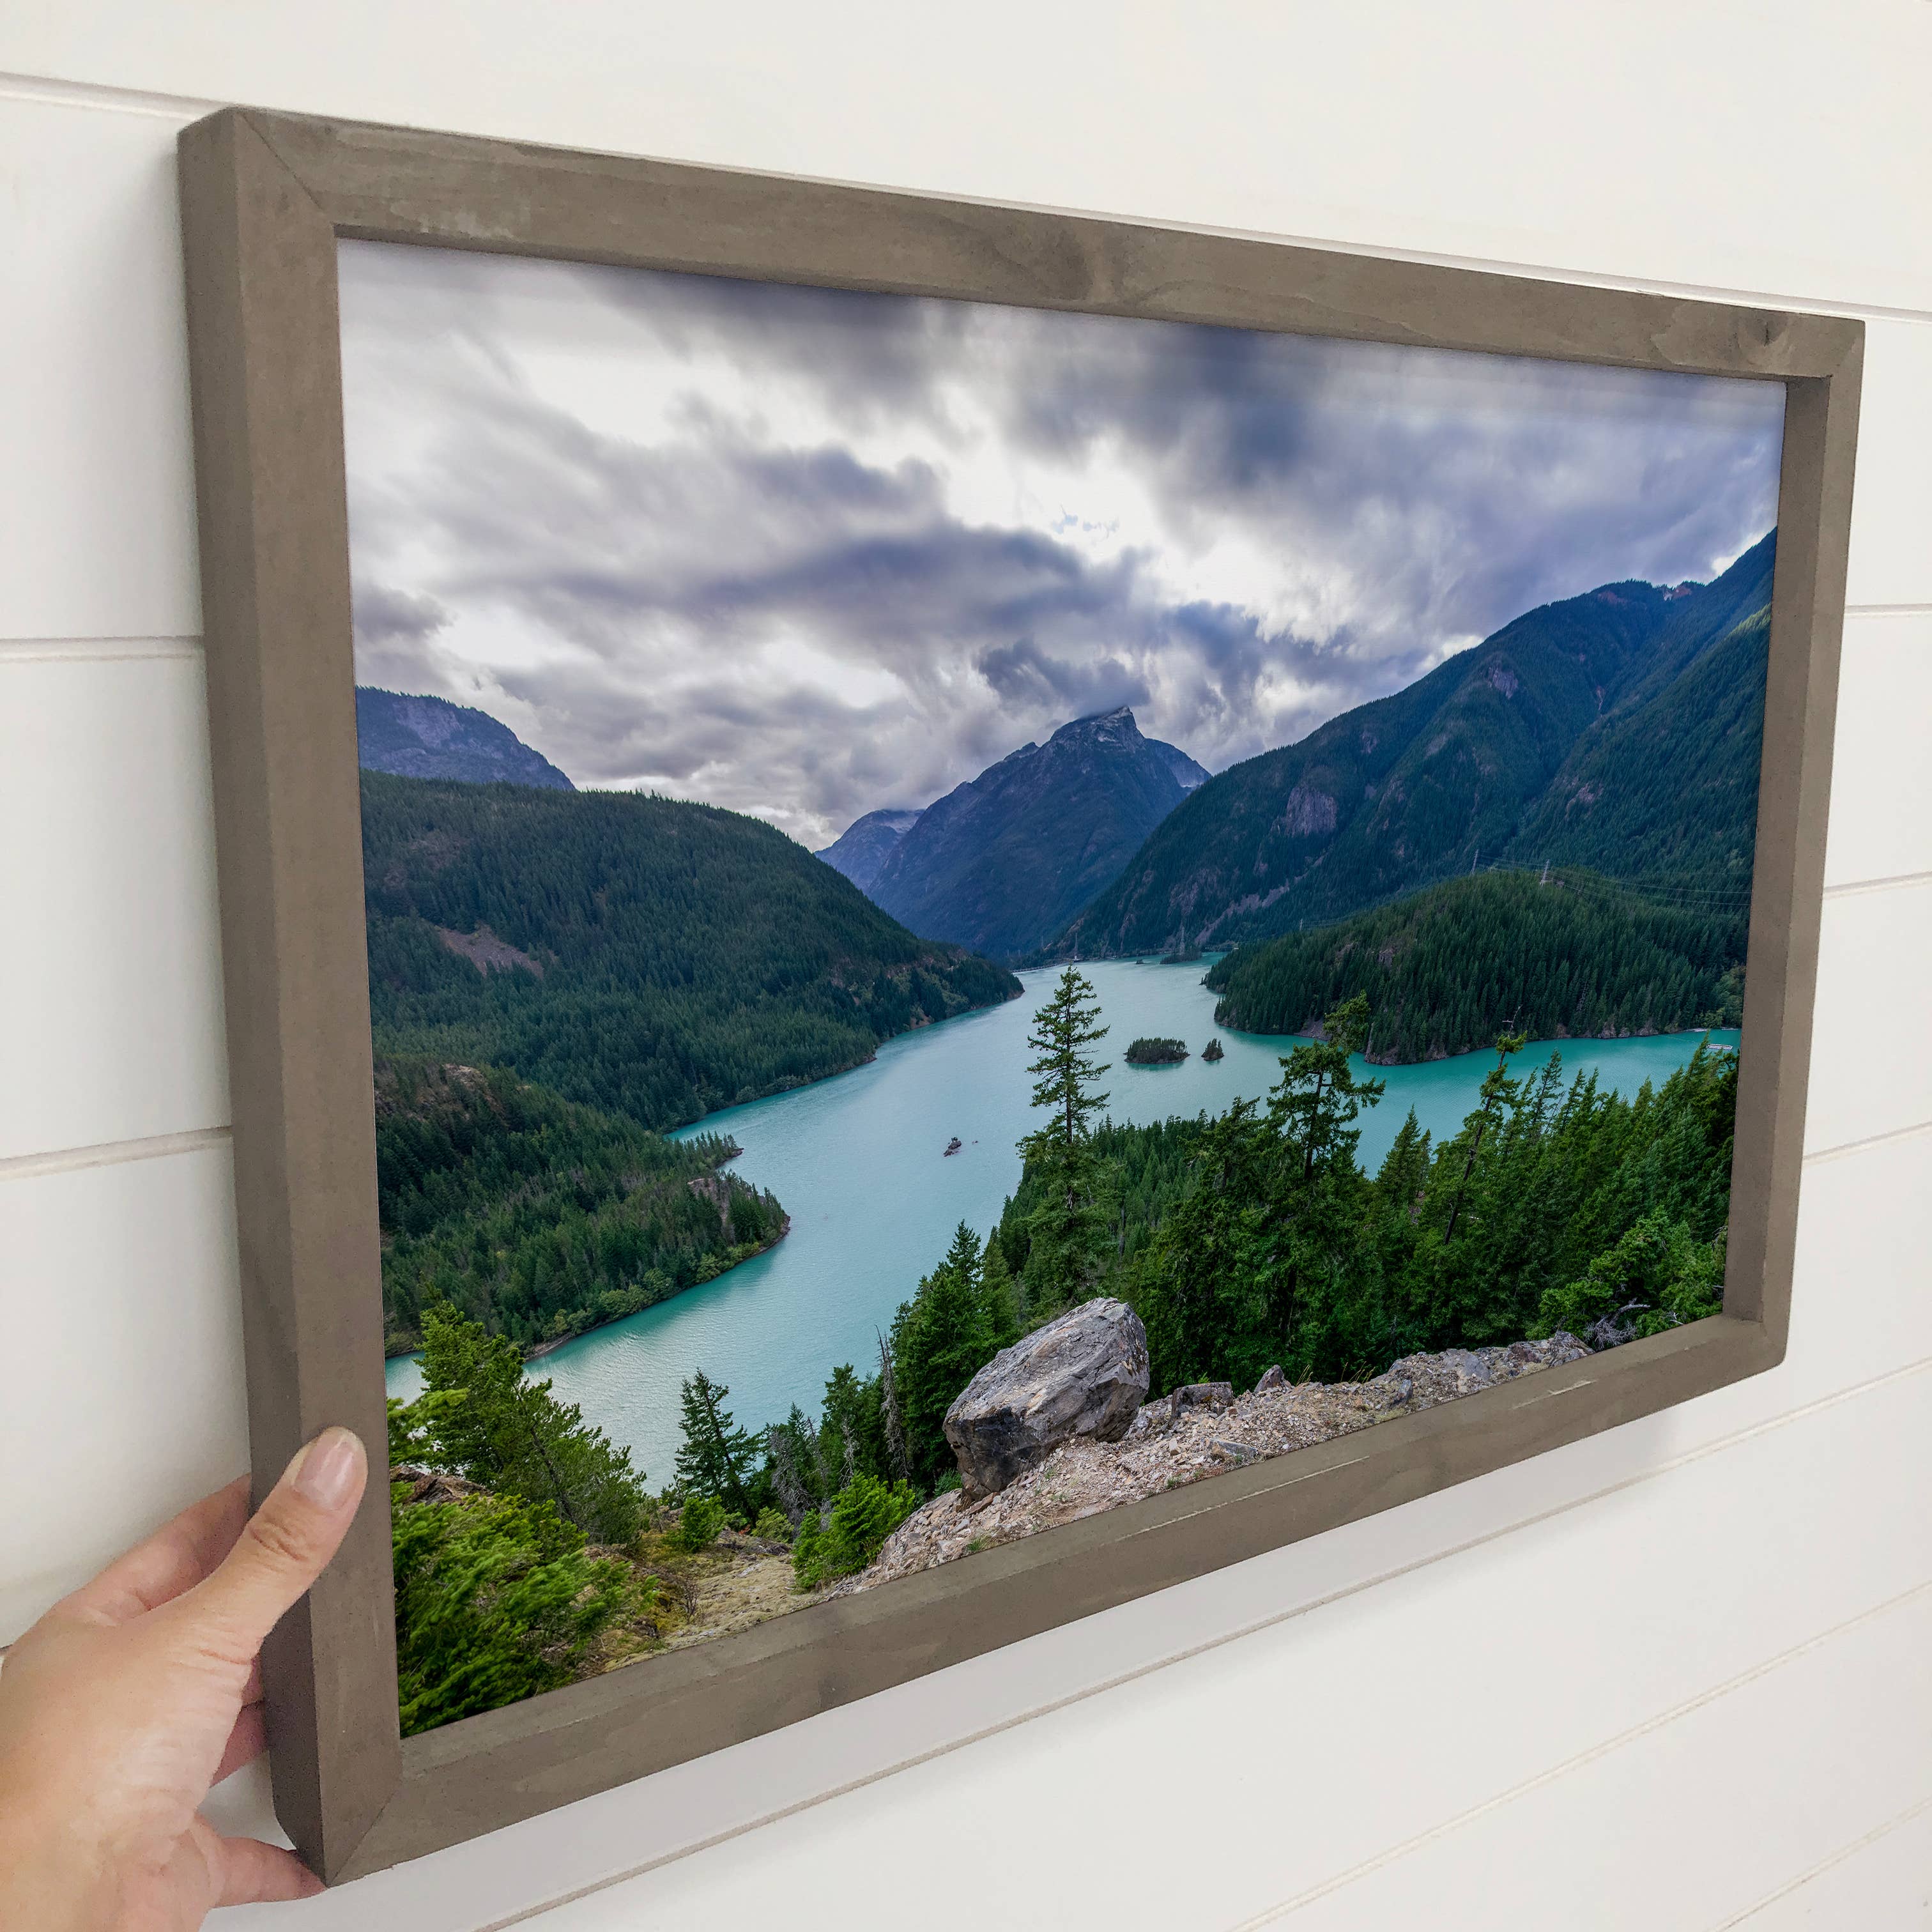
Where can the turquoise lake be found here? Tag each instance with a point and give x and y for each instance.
(859, 1162)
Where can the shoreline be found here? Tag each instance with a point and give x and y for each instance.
(534, 1351)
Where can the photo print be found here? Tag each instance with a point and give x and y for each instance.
(976, 914)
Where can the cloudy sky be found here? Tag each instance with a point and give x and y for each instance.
(805, 553)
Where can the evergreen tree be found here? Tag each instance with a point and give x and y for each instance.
(717, 1457)
(1198, 1293)
(996, 1292)
(1499, 1092)
(807, 1569)
(1657, 1276)
(1448, 968)
(1404, 1168)
(792, 1459)
(891, 1416)
(1068, 1232)
(852, 1434)
(514, 1436)
(941, 1339)
(1557, 1205)
(1311, 1110)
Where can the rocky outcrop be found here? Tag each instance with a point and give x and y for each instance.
(1198, 1431)
(424, 737)
(429, 1485)
(1082, 1376)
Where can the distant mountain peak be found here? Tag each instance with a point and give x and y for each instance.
(1006, 859)
(415, 736)
(863, 846)
(1117, 726)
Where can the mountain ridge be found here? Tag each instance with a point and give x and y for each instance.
(642, 956)
(1004, 860)
(1406, 790)
(863, 846)
(415, 736)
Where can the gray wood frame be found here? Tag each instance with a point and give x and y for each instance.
(265, 197)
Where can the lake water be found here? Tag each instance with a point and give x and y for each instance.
(859, 1162)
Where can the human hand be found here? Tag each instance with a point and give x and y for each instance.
(129, 1698)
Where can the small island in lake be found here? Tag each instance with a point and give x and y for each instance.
(1157, 1053)
(1183, 955)
(1214, 1050)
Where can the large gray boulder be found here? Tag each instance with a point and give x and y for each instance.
(1084, 1373)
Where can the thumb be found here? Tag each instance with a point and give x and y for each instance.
(288, 1542)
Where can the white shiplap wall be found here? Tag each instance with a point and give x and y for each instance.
(1675, 1677)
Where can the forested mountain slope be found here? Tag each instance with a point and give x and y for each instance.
(1583, 726)
(641, 955)
(1002, 862)
(1447, 969)
(1667, 786)
(539, 1218)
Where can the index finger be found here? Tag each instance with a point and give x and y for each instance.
(158, 1570)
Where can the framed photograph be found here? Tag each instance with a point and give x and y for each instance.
(935, 914)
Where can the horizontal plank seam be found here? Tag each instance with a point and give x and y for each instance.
(1819, 1405)
(163, 645)
(85, 650)
(1819, 1157)
(111, 1154)
(1893, 883)
(1581, 1760)
(128, 100)
(42, 91)
(1826, 1864)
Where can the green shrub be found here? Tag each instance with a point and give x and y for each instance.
(773, 1526)
(1658, 1276)
(697, 1525)
(495, 1601)
(867, 1512)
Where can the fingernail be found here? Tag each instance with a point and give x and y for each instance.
(329, 1467)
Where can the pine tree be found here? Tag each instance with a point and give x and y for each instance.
(1062, 1030)
(1313, 1108)
(892, 1415)
(1068, 1232)
(1405, 1168)
(996, 1292)
(1499, 1093)
(791, 1455)
(852, 1430)
(513, 1435)
(1314, 1102)
(941, 1339)
(1199, 1299)
(716, 1456)
(963, 1257)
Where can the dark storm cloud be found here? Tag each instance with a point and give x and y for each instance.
(384, 616)
(804, 586)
